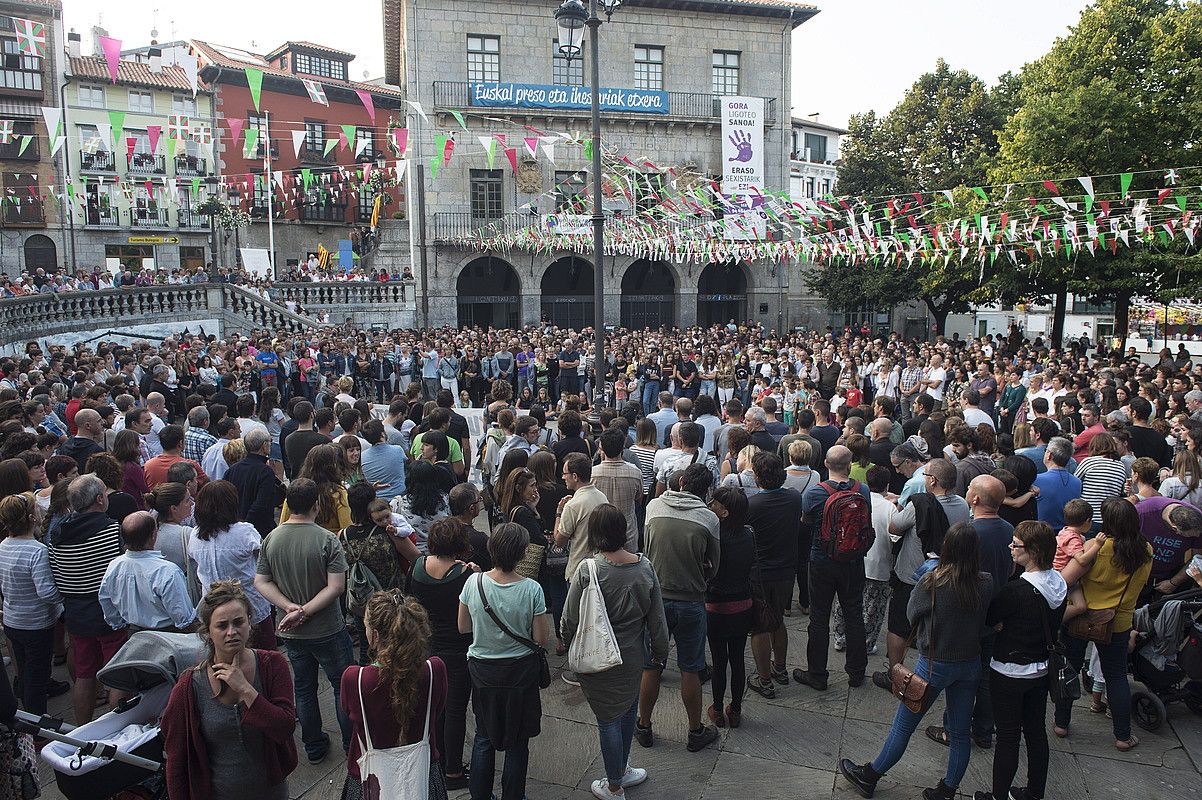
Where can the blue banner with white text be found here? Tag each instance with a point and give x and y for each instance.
(533, 95)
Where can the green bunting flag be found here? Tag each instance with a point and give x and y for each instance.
(25, 140)
(117, 123)
(440, 143)
(459, 118)
(171, 145)
(349, 132)
(306, 178)
(196, 186)
(252, 140)
(254, 80)
(330, 145)
(982, 194)
(588, 149)
(1125, 182)
(434, 164)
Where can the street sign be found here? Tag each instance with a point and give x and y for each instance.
(153, 240)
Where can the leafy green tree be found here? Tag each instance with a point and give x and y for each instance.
(1117, 94)
(941, 135)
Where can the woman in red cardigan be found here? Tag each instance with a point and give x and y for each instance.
(229, 723)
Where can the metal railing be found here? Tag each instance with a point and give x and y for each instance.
(147, 164)
(190, 165)
(684, 105)
(148, 218)
(100, 161)
(96, 216)
(450, 225)
(188, 218)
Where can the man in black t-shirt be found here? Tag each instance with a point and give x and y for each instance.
(686, 378)
(569, 368)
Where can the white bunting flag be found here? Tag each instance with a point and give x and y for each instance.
(416, 106)
(298, 141)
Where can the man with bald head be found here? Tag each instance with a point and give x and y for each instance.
(88, 438)
(141, 588)
(829, 578)
(156, 404)
(985, 495)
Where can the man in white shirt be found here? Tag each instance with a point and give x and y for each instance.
(213, 462)
(935, 378)
(973, 415)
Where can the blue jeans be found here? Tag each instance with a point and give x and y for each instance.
(332, 655)
(513, 774)
(555, 593)
(1113, 658)
(709, 387)
(616, 737)
(959, 680)
(982, 712)
(649, 396)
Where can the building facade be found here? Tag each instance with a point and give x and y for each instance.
(315, 194)
(694, 51)
(139, 172)
(32, 230)
(813, 159)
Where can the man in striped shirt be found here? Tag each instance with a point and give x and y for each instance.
(80, 554)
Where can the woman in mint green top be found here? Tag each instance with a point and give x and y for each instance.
(505, 672)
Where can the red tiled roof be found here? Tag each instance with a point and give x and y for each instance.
(210, 55)
(291, 45)
(131, 72)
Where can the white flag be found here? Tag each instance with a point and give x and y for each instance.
(298, 140)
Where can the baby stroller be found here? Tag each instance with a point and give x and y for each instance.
(1167, 658)
(123, 748)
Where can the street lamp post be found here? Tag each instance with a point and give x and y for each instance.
(571, 19)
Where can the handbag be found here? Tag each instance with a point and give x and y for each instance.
(594, 648)
(1097, 624)
(531, 562)
(906, 685)
(19, 778)
(1063, 680)
(540, 652)
(401, 772)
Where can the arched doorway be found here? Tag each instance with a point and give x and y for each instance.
(567, 289)
(488, 290)
(648, 295)
(40, 252)
(722, 294)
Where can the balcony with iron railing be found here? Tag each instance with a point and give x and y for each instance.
(314, 155)
(323, 213)
(148, 218)
(100, 161)
(450, 225)
(191, 219)
(146, 164)
(190, 165)
(456, 95)
(96, 215)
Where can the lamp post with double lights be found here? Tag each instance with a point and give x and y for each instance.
(572, 18)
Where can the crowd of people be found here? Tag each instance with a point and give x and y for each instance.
(318, 505)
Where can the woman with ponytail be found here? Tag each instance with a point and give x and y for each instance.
(394, 687)
(172, 504)
(32, 603)
(228, 726)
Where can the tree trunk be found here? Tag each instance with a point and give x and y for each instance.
(1058, 315)
(939, 311)
(1122, 317)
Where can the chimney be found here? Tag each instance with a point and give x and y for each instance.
(156, 59)
(97, 32)
(74, 42)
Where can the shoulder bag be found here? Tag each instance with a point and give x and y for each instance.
(531, 562)
(594, 648)
(1097, 624)
(1063, 683)
(905, 684)
(401, 772)
(540, 652)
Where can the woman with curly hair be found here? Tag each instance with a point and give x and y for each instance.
(228, 726)
(325, 465)
(395, 700)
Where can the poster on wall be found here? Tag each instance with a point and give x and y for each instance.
(256, 262)
(742, 146)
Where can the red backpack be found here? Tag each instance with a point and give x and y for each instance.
(846, 531)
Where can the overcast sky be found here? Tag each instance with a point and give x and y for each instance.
(854, 56)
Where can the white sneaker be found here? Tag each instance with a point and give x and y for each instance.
(633, 776)
(601, 790)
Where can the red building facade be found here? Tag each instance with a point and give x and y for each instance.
(330, 181)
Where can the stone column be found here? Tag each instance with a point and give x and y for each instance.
(686, 306)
